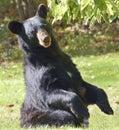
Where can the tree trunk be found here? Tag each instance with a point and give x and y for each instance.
(31, 8)
(20, 9)
(27, 8)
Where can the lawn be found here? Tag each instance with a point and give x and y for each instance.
(101, 70)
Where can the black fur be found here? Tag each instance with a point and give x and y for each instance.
(56, 94)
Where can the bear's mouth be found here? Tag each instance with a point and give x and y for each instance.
(44, 38)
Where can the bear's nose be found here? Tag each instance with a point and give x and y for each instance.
(46, 39)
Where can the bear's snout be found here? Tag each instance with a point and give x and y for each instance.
(44, 38)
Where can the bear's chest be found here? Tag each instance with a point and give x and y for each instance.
(48, 77)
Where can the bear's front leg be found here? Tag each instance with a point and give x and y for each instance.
(68, 101)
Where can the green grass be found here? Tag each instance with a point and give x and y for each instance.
(102, 71)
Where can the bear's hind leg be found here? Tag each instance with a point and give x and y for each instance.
(34, 118)
(95, 95)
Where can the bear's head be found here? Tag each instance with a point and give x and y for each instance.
(34, 32)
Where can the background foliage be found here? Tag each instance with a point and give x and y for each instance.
(87, 10)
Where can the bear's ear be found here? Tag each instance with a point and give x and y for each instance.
(42, 11)
(15, 27)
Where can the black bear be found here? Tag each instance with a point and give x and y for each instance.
(56, 94)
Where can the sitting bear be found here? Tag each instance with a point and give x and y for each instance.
(56, 94)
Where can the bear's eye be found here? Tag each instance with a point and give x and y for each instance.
(33, 32)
